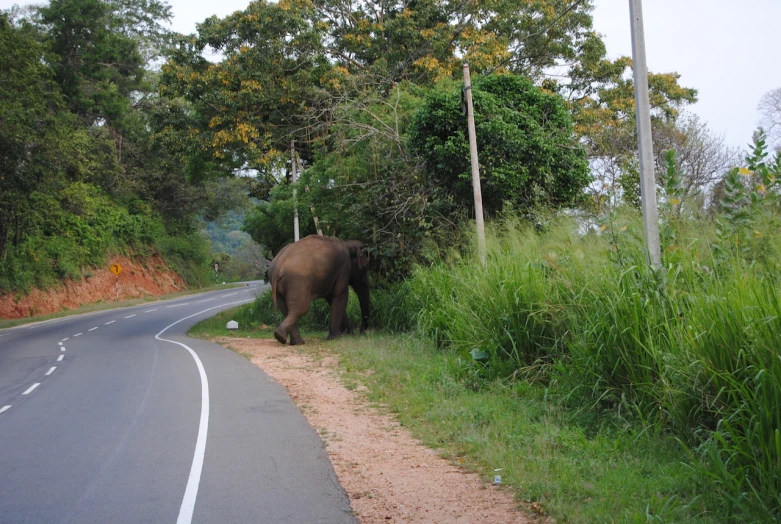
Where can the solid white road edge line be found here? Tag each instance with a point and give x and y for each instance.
(194, 480)
(31, 388)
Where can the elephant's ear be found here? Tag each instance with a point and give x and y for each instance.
(360, 254)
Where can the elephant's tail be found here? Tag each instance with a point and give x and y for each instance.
(274, 297)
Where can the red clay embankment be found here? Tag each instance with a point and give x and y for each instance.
(138, 278)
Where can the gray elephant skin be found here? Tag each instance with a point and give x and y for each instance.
(319, 267)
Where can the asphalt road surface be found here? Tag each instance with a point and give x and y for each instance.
(117, 416)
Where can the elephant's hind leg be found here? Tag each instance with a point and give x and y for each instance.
(281, 333)
(292, 311)
(295, 337)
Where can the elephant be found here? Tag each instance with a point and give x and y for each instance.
(319, 267)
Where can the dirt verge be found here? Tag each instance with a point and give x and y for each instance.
(147, 277)
(388, 475)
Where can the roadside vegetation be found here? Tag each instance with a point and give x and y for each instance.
(604, 389)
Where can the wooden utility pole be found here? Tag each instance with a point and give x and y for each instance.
(644, 142)
(470, 118)
(293, 181)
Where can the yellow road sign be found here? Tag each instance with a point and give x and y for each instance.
(116, 269)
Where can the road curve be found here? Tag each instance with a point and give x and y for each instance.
(117, 416)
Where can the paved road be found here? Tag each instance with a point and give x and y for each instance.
(117, 417)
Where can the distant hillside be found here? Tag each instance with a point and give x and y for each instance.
(235, 253)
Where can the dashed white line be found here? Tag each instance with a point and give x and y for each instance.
(62, 349)
(64, 339)
(130, 316)
(92, 329)
(61, 357)
(150, 310)
(229, 294)
(107, 323)
(207, 300)
(78, 335)
(31, 388)
(177, 305)
(51, 370)
(60, 343)
(5, 408)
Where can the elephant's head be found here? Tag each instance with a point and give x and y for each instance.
(359, 277)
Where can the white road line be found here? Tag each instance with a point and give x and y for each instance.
(64, 339)
(107, 323)
(60, 343)
(194, 480)
(5, 408)
(176, 305)
(51, 370)
(93, 329)
(150, 310)
(61, 357)
(78, 335)
(31, 388)
(207, 300)
(229, 294)
(63, 349)
(130, 316)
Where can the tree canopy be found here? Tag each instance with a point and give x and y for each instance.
(367, 90)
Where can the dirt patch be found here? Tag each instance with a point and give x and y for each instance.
(138, 278)
(388, 475)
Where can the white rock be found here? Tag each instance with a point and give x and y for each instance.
(232, 325)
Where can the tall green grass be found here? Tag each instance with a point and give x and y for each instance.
(691, 349)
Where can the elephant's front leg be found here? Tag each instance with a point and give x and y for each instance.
(338, 315)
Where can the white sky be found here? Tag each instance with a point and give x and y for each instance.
(722, 48)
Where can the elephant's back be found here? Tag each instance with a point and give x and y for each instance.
(313, 256)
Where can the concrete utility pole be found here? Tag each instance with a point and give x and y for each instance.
(644, 142)
(470, 118)
(293, 180)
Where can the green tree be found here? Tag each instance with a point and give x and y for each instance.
(102, 47)
(244, 110)
(528, 156)
(31, 128)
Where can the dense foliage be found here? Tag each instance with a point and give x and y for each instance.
(689, 349)
(528, 158)
(84, 166)
(368, 92)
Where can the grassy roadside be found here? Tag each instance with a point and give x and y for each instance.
(572, 466)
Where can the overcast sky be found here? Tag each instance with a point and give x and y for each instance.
(722, 48)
